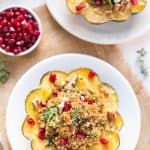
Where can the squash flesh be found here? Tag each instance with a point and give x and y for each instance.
(95, 16)
(94, 84)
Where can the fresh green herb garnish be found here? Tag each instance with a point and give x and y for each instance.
(89, 135)
(140, 62)
(4, 74)
(76, 113)
(110, 2)
(50, 113)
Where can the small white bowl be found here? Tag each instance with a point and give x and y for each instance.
(39, 37)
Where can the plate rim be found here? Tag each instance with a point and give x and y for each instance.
(27, 72)
(121, 41)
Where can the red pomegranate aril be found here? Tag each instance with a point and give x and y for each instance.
(3, 46)
(36, 33)
(89, 101)
(31, 121)
(56, 92)
(12, 29)
(43, 104)
(67, 106)
(134, 2)
(98, 2)
(33, 39)
(13, 35)
(1, 40)
(63, 141)
(91, 74)
(80, 135)
(41, 129)
(4, 22)
(41, 135)
(104, 141)
(80, 7)
(11, 41)
(52, 77)
(20, 18)
(7, 48)
(23, 11)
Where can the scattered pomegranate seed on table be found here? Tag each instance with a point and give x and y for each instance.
(19, 30)
(31, 121)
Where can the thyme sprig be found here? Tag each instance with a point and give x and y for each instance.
(4, 74)
(141, 63)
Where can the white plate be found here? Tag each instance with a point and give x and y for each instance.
(108, 33)
(128, 107)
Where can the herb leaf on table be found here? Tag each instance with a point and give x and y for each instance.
(141, 63)
(4, 74)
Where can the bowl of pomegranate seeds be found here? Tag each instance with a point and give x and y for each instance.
(20, 30)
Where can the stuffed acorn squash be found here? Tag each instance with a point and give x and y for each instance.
(101, 11)
(72, 111)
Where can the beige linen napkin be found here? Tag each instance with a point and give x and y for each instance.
(57, 41)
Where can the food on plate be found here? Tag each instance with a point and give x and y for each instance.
(101, 11)
(72, 111)
(19, 30)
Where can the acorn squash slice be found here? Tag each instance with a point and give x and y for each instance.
(97, 16)
(29, 131)
(38, 144)
(110, 98)
(84, 82)
(60, 80)
(113, 142)
(32, 97)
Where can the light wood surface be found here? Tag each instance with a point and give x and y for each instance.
(57, 41)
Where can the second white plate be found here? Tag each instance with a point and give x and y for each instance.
(108, 33)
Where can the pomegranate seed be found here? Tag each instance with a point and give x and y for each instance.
(36, 33)
(43, 104)
(134, 2)
(67, 106)
(11, 41)
(41, 129)
(104, 141)
(98, 2)
(41, 135)
(31, 121)
(89, 101)
(80, 7)
(23, 11)
(1, 40)
(91, 74)
(80, 135)
(4, 22)
(63, 141)
(52, 77)
(12, 29)
(7, 48)
(3, 46)
(56, 92)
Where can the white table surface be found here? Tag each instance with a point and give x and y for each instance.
(129, 48)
